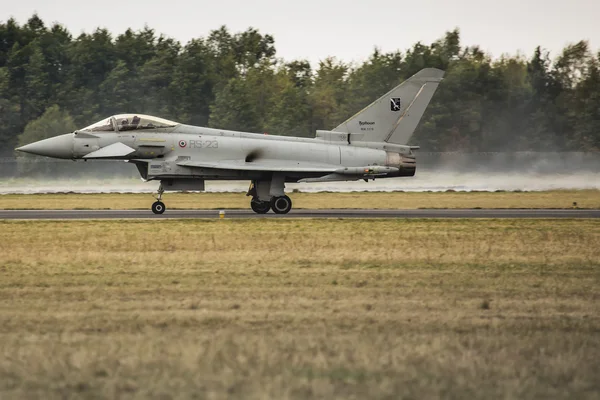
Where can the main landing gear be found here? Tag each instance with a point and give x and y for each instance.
(158, 207)
(267, 196)
(279, 205)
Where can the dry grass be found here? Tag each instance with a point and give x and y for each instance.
(300, 309)
(394, 200)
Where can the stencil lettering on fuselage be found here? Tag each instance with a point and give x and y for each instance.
(204, 144)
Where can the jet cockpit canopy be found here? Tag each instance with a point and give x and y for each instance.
(129, 122)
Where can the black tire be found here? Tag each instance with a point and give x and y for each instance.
(281, 205)
(158, 207)
(260, 207)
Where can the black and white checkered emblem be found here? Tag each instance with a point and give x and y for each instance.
(395, 104)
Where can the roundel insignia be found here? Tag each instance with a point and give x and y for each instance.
(182, 143)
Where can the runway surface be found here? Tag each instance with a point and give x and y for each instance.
(300, 213)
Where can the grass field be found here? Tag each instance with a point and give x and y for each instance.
(377, 200)
(256, 309)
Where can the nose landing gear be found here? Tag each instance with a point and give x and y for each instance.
(158, 207)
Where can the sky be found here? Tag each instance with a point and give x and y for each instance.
(347, 30)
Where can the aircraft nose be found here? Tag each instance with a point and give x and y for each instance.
(57, 147)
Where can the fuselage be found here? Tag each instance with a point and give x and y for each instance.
(158, 151)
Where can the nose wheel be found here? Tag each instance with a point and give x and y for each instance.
(158, 207)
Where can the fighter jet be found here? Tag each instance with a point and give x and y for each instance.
(371, 144)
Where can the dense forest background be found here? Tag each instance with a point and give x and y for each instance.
(52, 82)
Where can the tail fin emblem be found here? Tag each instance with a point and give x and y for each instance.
(395, 104)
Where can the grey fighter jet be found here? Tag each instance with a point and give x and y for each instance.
(371, 144)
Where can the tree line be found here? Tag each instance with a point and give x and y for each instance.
(52, 82)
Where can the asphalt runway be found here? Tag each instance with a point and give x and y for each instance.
(300, 213)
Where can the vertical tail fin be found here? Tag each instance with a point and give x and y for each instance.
(394, 117)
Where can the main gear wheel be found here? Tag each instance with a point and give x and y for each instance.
(281, 204)
(260, 207)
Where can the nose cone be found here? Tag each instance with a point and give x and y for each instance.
(57, 147)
